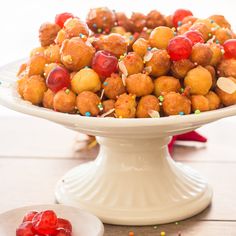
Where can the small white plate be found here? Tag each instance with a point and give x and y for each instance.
(83, 223)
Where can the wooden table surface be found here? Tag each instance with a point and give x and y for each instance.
(35, 153)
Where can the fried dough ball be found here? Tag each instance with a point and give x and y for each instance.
(174, 103)
(74, 27)
(203, 29)
(21, 82)
(154, 19)
(122, 20)
(139, 84)
(166, 84)
(189, 19)
(169, 21)
(179, 69)
(86, 80)
(48, 33)
(52, 53)
(34, 89)
(160, 63)
(87, 103)
(138, 21)
(209, 23)
(114, 43)
(48, 68)
(199, 102)
(213, 100)
(64, 101)
(221, 21)
(216, 54)
(118, 30)
(212, 70)
(48, 97)
(140, 46)
(101, 18)
(184, 28)
(146, 104)
(36, 64)
(199, 80)
(108, 105)
(223, 34)
(201, 54)
(125, 106)
(61, 36)
(113, 86)
(226, 98)
(160, 37)
(133, 63)
(76, 54)
(227, 68)
(36, 51)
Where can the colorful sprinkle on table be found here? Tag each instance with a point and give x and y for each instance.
(163, 233)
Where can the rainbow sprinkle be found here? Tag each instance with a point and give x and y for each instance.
(87, 114)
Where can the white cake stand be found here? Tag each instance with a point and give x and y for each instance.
(133, 181)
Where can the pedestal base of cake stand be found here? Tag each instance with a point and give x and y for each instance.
(135, 182)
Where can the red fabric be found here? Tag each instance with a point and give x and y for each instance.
(190, 136)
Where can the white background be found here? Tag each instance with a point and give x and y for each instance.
(20, 19)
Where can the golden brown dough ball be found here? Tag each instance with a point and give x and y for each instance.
(214, 100)
(34, 89)
(199, 102)
(160, 63)
(75, 27)
(223, 34)
(154, 19)
(36, 51)
(169, 21)
(140, 46)
(52, 54)
(216, 54)
(179, 69)
(226, 98)
(86, 80)
(227, 68)
(209, 23)
(64, 101)
(118, 30)
(212, 70)
(87, 103)
(48, 99)
(184, 28)
(166, 84)
(203, 29)
(199, 80)
(139, 84)
(189, 19)
(108, 105)
(201, 54)
(101, 18)
(175, 103)
(76, 54)
(160, 37)
(113, 43)
(113, 86)
(48, 33)
(138, 21)
(133, 63)
(146, 104)
(61, 36)
(48, 68)
(21, 82)
(36, 64)
(221, 21)
(122, 20)
(125, 106)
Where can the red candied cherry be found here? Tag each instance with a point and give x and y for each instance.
(179, 15)
(230, 48)
(25, 229)
(60, 19)
(29, 216)
(45, 222)
(179, 48)
(58, 79)
(65, 224)
(104, 63)
(194, 36)
(63, 232)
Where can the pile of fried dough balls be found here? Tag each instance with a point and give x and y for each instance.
(142, 66)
